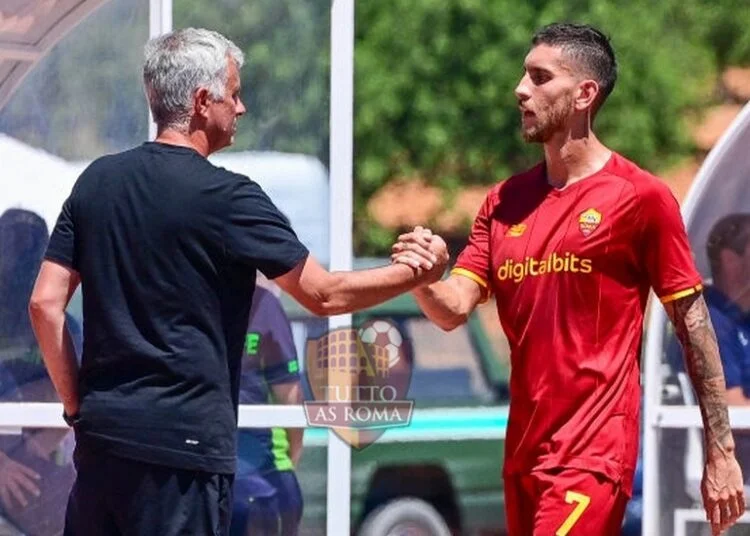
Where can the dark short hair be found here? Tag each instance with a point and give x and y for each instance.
(731, 232)
(588, 47)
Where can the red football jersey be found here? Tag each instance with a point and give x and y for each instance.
(571, 270)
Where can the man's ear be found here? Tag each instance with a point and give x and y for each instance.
(201, 100)
(586, 95)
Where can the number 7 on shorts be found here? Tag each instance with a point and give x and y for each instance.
(581, 501)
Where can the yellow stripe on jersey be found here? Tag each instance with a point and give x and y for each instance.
(477, 279)
(681, 294)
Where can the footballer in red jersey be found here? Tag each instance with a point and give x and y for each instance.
(571, 250)
(572, 270)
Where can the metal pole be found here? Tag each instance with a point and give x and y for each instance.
(159, 23)
(652, 401)
(340, 214)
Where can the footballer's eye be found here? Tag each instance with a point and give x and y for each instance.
(540, 77)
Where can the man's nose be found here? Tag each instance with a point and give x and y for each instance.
(522, 90)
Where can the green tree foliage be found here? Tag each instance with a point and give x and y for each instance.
(435, 81)
(724, 27)
(286, 74)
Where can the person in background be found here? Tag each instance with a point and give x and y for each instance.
(728, 300)
(268, 499)
(36, 471)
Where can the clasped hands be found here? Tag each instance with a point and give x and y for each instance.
(425, 252)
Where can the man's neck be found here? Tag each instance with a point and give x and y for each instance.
(570, 159)
(194, 140)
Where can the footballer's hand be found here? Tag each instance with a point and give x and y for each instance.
(413, 248)
(723, 491)
(439, 249)
(421, 248)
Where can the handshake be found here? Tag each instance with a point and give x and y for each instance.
(424, 251)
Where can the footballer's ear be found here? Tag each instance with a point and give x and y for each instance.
(586, 95)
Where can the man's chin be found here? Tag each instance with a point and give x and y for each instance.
(228, 142)
(532, 137)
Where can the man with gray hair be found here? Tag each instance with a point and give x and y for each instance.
(166, 247)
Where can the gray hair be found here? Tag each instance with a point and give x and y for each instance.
(179, 63)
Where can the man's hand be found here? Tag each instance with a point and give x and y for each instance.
(422, 248)
(723, 492)
(16, 481)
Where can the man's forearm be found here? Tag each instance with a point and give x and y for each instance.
(693, 327)
(352, 291)
(441, 303)
(58, 353)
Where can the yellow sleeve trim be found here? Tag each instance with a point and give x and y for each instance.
(477, 279)
(681, 294)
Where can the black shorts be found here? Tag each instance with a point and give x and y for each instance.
(115, 496)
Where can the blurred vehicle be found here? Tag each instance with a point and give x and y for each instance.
(442, 473)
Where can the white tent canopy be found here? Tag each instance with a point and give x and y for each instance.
(29, 29)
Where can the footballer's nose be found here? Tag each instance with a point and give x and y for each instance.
(522, 90)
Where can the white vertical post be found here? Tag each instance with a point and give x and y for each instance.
(652, 402)
(340, 216)
(159, 22)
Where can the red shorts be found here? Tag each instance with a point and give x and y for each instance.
(563, 502)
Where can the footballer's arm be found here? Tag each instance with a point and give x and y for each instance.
(722, 483)
(449, 303)
(446, 303)
(693, 328)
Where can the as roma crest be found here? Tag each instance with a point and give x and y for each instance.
(588, 221)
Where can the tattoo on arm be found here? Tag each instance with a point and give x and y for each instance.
(693, 328)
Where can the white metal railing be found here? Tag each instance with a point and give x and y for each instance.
(49, 415)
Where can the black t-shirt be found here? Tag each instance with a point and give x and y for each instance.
(167, 246)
